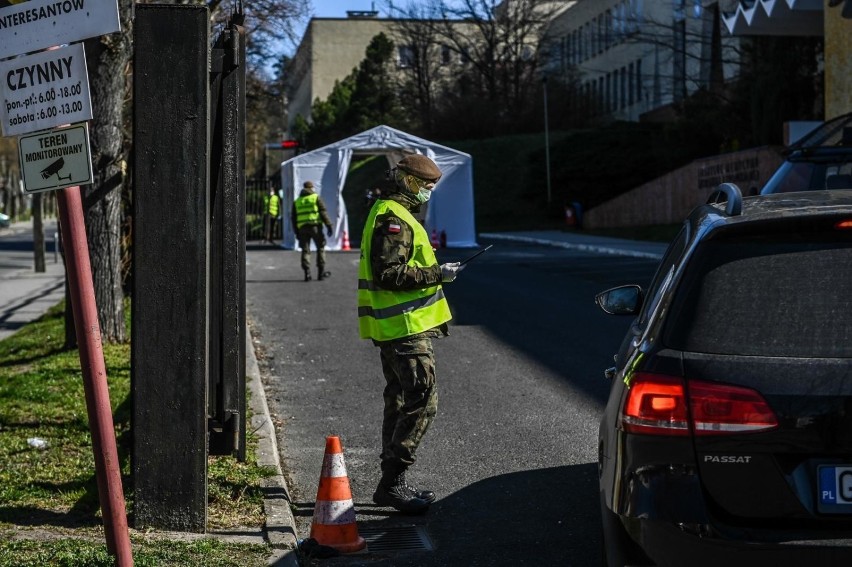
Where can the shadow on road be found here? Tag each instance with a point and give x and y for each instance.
(496, 521)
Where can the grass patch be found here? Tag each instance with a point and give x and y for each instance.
(49, 510)
(77, 552)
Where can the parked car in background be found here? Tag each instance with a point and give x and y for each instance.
(4, 220)
(727, 435)
(820, 160)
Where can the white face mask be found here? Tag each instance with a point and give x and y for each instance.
(423, 195)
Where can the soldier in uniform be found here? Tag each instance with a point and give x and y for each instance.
(401, 307)
(308, 216)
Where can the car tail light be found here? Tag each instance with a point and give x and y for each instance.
(722, 408)
(843, 225)
(657, 405)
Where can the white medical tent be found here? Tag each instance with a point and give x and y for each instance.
(449, 210)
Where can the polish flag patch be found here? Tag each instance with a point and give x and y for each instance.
(394, 228)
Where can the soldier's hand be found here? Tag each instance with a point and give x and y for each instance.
(450, 270)
(329, 231)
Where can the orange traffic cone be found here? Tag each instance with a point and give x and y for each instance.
(345, 241)
(434, 239)
(334, 512)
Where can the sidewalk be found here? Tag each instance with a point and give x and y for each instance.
(26, 295)
(587, 242)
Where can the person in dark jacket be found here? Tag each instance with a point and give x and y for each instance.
(401, 307)
(309, 215)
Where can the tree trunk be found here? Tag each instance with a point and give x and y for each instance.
(107, 58)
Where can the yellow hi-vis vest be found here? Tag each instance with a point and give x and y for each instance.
(307, 211)
(271, 204)
(385, 315)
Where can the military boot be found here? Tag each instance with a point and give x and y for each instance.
(426, 495)
(307, 274)
(392, 491)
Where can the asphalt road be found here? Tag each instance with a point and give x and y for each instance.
(512, 452)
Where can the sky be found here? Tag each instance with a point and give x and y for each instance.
(338, 8)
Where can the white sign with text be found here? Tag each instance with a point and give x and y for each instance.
(56, 158)
(44, 90)
(38, 24)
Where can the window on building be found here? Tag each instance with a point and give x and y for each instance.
(600, 29)
(608, 29)
(614, 105)
(679, 59)
(446, 55)
(594, 38)
(608, 93)
(623, 85)
(634, 16)
(639, 79)
(405, 56)
(678, 10)
(631, 84)
(574, 55)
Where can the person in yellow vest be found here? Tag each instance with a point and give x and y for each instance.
(308, 216)
(401, 308)
(271, 214)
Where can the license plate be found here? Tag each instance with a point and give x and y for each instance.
(835, 489)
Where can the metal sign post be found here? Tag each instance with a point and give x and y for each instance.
(82, 291)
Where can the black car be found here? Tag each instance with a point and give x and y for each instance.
(727, 435)
(820, 160)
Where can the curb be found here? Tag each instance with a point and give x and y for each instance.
(280, 528)
(574, 245)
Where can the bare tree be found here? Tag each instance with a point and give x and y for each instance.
(421, 85)
(496, 44)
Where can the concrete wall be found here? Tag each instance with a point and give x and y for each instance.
(670, 198)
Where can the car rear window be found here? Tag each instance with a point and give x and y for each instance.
(773, 295)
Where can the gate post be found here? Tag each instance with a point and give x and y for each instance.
(169, 352)
(227, 388)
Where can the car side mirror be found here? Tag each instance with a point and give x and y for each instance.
(622, 300)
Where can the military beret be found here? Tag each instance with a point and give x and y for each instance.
(420, 166)
(308, 185)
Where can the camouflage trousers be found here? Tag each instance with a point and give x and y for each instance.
(411, 399)
(306, 234)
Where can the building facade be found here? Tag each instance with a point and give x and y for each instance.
(632, 59)
(330, 49)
